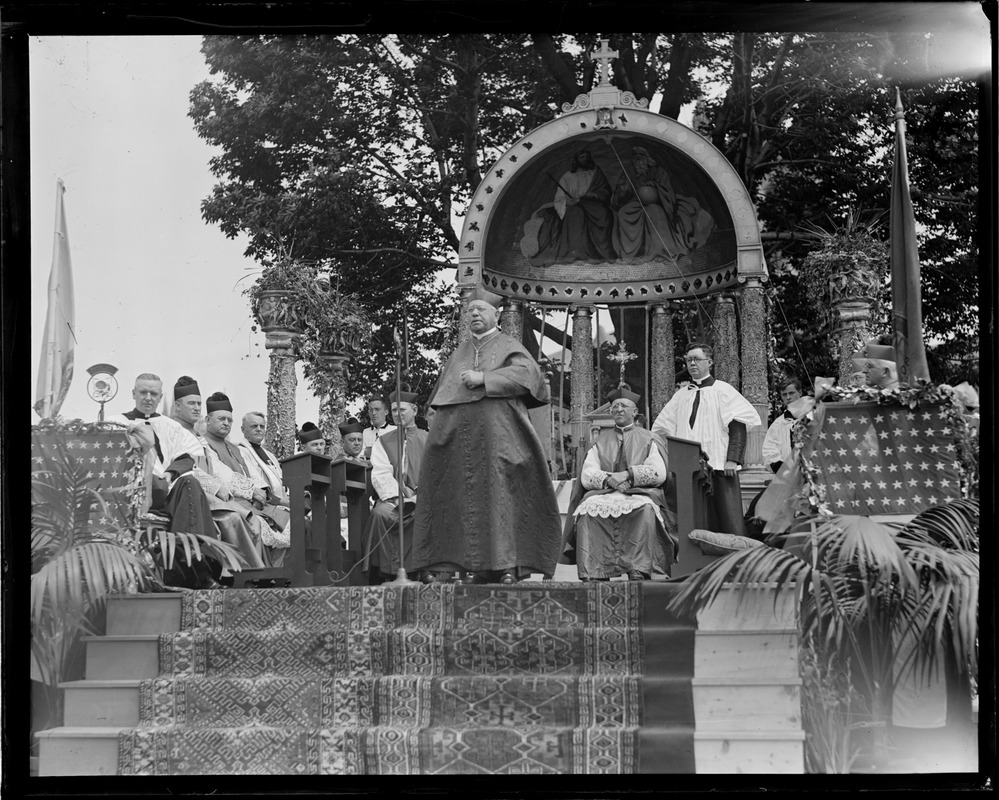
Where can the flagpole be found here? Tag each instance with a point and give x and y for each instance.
(907, 323)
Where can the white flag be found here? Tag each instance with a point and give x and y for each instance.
(55, 369)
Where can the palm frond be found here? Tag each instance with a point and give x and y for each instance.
(163, 547)
(82, 577)
(860, 543)
(745, 570)
(954, 525)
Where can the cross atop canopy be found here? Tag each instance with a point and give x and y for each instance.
(604, 55)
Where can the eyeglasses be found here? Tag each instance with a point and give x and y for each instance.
(695, 359)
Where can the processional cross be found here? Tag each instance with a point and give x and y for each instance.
(622, 357)
(604, 56)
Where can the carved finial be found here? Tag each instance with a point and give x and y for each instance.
(604, 56)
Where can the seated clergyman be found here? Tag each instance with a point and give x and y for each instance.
(621, 526)
(224, 487)
(172, 489)
(352, 434)
(395, 481)
(311, 439)
(878, 363)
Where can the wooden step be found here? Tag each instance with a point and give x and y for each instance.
(746, 653)
(722, 752)
(123, 656)
(753, 610)
(133, 614)
(747, 704)
(83, 750)
(101, 703)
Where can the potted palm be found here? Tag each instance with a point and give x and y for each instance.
(879, 605)
(861, 589)
(87, 545)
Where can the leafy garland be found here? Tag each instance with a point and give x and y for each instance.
(923, 393)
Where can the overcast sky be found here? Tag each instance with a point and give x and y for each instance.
(157, 289)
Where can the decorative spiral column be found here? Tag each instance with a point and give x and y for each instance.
(512, 319)
(726, 340)
(663, 359)
(582, 374)
(281, 386)
(754, 368)
(466, 298)
(282, 324)
(331, 399)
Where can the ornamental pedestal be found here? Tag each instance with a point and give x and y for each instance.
(853, 286)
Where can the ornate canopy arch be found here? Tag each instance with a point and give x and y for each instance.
(663, 214)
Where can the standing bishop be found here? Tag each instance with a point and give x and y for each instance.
(487, 508)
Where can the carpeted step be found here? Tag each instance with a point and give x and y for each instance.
(415, 701)
(380, 751)
(417, 651)
(440, 606)
(533, 678)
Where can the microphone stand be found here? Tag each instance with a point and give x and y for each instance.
(401, 578)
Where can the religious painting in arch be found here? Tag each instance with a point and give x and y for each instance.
(611, 206)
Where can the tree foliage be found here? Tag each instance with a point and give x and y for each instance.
(362, 151)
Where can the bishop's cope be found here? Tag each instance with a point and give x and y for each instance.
(487, 509)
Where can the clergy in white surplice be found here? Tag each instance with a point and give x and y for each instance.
(713, 413)
(221, 485)
(621, 525)
(395, 477)
(378, 411)
(265, 471)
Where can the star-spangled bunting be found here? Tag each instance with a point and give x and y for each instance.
(876, 459)
(105, 455)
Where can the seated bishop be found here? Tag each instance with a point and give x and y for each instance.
(618, 522)
(395, 478)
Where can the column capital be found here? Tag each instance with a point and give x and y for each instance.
(582, 312)
(661, 308)
(279, 340)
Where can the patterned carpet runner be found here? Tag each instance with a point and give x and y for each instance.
(565, 678)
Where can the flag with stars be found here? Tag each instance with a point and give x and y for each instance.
(104, 457)
(878, 459)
